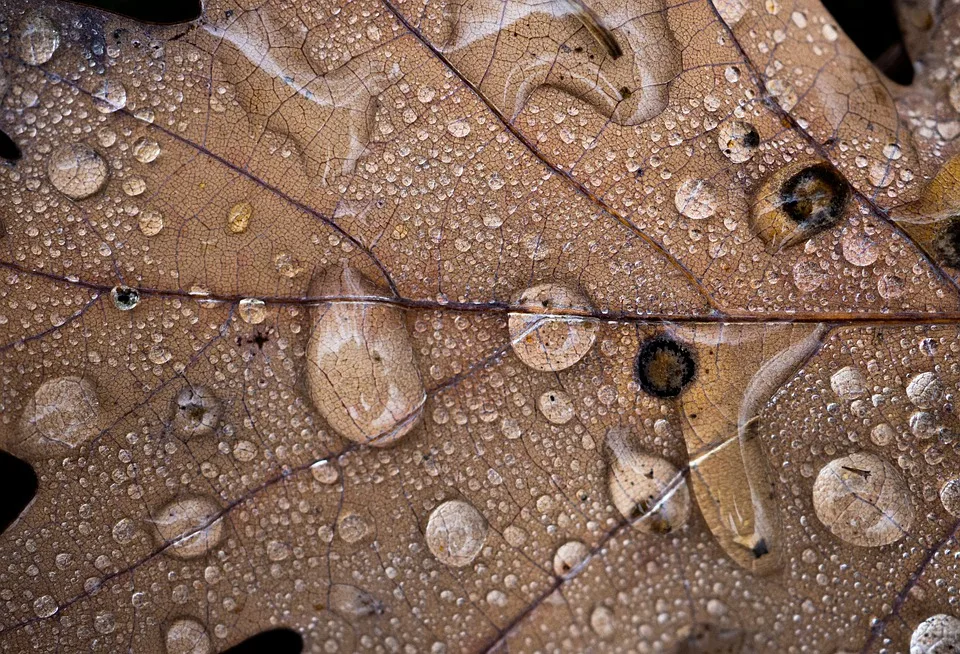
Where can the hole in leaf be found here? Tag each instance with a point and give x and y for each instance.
(19, 488)
(8, 149)
(275, 641)
(873, 26)
(164, 13)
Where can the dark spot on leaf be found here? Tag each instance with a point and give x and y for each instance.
(8, 149)
(275, 641)
(125, 298)
(752, 138)
(19, 488)
(664, 367)
(815, 197)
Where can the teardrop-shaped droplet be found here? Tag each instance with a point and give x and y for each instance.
(361, 372)
(646, 487)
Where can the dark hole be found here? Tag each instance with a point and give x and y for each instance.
(275, 641)
(872, 25)
(8, 149)
(760, 549)
(164, 13)
(19, 487)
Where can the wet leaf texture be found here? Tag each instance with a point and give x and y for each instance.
(477, 326)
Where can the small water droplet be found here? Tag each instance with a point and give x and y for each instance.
(252, 311)
(696, 199)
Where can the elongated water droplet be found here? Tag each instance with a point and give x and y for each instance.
(361, 372)
(189, 526)
(63, 412)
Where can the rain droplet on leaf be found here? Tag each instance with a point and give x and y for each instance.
(456, 533)
(544, 338)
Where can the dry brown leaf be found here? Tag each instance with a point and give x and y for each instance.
(480, 326)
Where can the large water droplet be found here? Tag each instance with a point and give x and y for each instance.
(569, 556)
(925, 390)
(77, 170)
(696, 198)
(738, 140)
(196, 412)
(456, 533)
(45, 606)
(544, 338)
(187, 636)
(938, 634)
(863, 500)
(190, 526)
(352, 602)
(37, 39)
(109, 95)
(361, 372)
(63, 411)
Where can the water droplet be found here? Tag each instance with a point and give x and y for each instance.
(859, 249)
(848, 383)
(134, 186)
(196, 412)
(45, 606)
(556, 406)
(124, 530)
(645, 486)
(252, 311)
(62, 411)
(696, 198)
(456, 533)
(882, 435)
(361, 371)
(110, 95)
(324, 472)
(187, 636)
(738, 140)
(602, 622)
(459, 128)
(124, 297)
(190, 526)
(37, 40)
(709, 638)
(151, 222)
(352, 602)
(352, 527)
(569, 556)
(277, 550)
(146, 150)
(950, 497)
(548, 340)
(238, 218)
(925, 390)
(77, 170)
(863, 500)
(938, 634)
